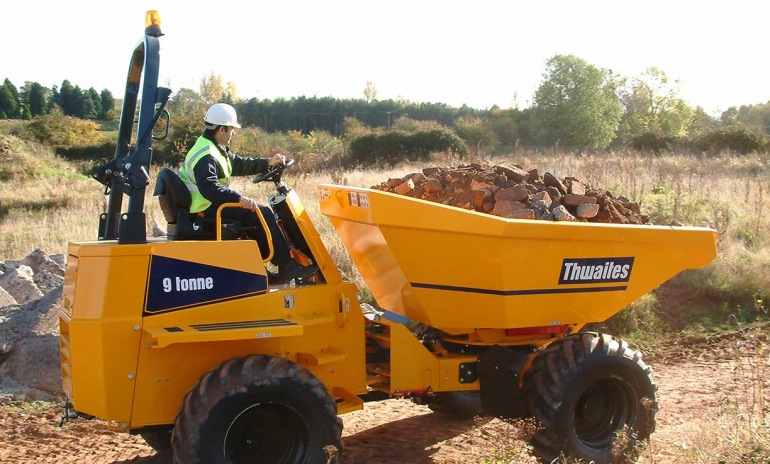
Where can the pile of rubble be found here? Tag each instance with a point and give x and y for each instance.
(513, 192)
(30, 297)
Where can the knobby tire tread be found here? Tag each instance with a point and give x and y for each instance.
(549, 380)
(234, 376)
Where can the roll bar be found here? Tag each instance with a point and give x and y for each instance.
(128, 172)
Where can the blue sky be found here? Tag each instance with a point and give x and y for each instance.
(479, 53)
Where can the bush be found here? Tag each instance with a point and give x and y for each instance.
(396, 146)
(730, 139)
(57, 130)
(735, 139)
(651, 141)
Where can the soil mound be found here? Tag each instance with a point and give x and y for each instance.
(30, 297)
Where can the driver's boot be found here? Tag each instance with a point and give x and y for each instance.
(293, 270)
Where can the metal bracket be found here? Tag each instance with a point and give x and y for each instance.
(68, 414)
(468, 373)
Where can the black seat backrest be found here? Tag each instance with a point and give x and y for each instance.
(175, 199)
(172, 194)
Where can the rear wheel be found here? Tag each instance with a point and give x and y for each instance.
(257, 409)
(594, 397)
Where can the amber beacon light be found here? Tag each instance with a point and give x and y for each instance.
(152, 24)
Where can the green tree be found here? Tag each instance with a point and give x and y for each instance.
(701, 122)
(506, 124)
(186, 101)
(107, 109)
(370, 92)
(77, 103)
(65, 98)
(575, 104)
(651, 105)
(231, 94)
(92, 104)
(477, 133)
(187, 110)
(54, 100)
(754, 117)
(676, 118)
(7, 104)
(9, 101)
(352, 128)
(35, 96)
(212, 89)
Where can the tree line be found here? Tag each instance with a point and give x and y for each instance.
(576, 105)
(33, 99)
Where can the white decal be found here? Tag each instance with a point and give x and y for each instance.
(187, 285)
(594, 270)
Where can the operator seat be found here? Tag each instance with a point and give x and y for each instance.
(174, 198)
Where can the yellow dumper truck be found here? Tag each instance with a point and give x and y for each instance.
(184, 340)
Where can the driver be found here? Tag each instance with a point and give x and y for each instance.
(206, 172)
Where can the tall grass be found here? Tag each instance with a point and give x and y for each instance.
(45, 203)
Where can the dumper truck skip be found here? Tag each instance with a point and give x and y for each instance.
(183, 340)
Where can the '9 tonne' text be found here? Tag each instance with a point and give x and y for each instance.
(187, 285)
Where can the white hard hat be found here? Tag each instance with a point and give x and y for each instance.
(221, 114)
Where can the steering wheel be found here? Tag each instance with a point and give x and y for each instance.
(273, 173)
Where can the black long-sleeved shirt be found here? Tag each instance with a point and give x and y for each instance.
(207, 173)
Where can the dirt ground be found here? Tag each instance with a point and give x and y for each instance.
(693, 384)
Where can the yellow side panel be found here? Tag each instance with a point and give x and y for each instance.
(103, 376)
(103, 332)
(412, 367)
(237, 255)
(110, 287)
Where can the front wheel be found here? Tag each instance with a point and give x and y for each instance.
(258, 409)
(594, 398)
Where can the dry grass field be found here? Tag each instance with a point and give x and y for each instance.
(45, 203)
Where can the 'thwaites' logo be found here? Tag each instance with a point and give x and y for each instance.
(595, 270)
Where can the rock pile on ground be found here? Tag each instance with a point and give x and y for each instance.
(30, 296)
(516, 193)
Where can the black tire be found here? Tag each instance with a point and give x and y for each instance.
(458, 405)
(158, 438)
(594, 398)
(258, 409)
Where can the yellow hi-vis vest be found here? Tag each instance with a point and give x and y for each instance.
(202, 147)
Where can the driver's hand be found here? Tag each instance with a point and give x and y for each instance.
(276, 159)
(248, 203)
